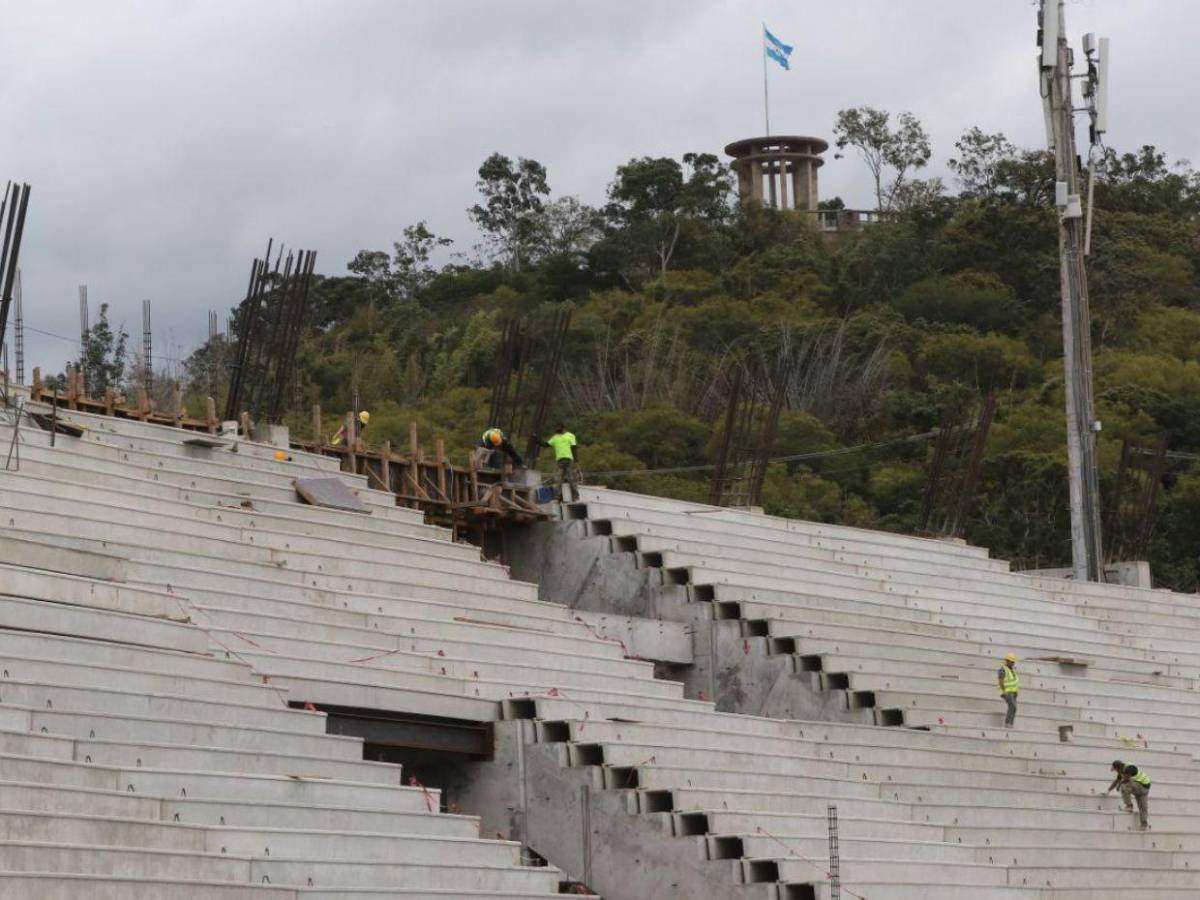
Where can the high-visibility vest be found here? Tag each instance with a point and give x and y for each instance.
(1141, 778)
(562, 444)
(1012, 684)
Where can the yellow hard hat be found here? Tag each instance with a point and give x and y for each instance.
(1012, 657)
(496, 437)
(281, 456)
(364, 417)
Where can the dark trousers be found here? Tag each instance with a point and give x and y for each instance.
(1010, 700)
(568, 471)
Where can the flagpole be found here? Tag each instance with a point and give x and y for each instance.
(766, 98)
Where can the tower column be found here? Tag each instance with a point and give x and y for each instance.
(756, 180)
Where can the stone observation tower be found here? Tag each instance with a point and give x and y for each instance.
(780, 170)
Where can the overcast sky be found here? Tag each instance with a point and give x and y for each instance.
(166, 141)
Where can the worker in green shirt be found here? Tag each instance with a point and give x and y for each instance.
(566, 457)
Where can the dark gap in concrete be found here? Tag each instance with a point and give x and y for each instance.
(809, 663)
(729, 847)
(760, 870)
(586, 755)
(862, 699)
(657, 801)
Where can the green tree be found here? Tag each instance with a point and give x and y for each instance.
(980, 156)
(512, 201)
(103, 359)
(882, 147)
(978, 299)
(988, 361)
(652, 201)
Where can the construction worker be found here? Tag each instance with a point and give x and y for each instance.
(1134, 784)
(566, 457)
(1010, 686)
(496, 441)
(364, 419)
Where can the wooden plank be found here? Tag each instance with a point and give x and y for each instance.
(329, 492)
(441, 467)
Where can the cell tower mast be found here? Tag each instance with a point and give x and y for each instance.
(1057, 58)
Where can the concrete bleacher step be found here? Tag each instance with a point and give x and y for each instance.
(62, 475)
(66, 802)
(47, 886)
(712, 518)
(329, 873)
(278, 532)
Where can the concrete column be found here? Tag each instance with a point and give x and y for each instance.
(756, 180)
(813, 196)
(743, 176)
(799, 185)
(771, 176)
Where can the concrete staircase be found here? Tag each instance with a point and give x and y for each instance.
(177, 609)
(914, 629)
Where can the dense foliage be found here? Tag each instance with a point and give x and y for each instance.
(671, 281)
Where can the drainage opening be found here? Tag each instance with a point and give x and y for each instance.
(625, 543)
(603, 528)
(650, 560)
(576, 511)
(704, 592)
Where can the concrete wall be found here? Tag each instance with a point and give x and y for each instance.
(596, 834)
(734, 670)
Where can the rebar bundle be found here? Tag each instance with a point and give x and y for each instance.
(269, 322)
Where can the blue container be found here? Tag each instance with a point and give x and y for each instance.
(544, 494)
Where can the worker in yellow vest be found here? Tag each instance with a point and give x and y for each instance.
(566, 457)
(494, 443)
(1134, 784)
(1010, 686)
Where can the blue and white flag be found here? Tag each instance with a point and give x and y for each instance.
(776, 49)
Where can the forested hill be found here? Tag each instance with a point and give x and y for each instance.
(954, 294)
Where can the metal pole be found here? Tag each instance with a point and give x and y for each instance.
(147, 350)
(1087, 555)
(19, 331)
(84, 337)
(835, 856)
(766, 99)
